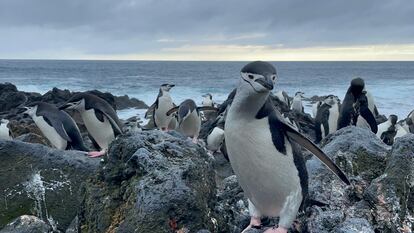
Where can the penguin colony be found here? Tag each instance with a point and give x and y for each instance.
(262, 145)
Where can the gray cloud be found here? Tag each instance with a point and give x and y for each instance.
(147, 26)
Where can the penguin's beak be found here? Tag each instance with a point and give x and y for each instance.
(266, 82)
(66, 106)
(171, 85)
(22, 110)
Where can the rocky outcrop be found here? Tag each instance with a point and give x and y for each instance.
(152, 182)
(27, 224)
(37, 180)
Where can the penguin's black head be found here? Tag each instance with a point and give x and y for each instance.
(260, 75)
(77, 101)
(357, 86)
(393, 119)
(208, 95)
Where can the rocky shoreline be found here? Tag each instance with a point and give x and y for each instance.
(162, 182)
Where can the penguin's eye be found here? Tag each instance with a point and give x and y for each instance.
(274, 77)
(250, 76)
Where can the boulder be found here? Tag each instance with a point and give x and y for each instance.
(391, 195)
(27, 224)
(123, 102)
(38, 180)
(151, 182)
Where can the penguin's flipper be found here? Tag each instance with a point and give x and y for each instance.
(150, 112)
(115, 126)
(110, 113)
(171, 111)
(369, 117)
(207, 108)
(58, 126)
(309, 145)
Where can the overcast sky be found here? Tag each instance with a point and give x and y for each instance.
(207, 29)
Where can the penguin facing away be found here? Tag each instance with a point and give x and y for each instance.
(388, 130)
(56, 125)
(5, 132)
(189, 119)
(355, 108)
(158, 110)
(99, 117)
(263, 150)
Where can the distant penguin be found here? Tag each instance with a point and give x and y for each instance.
(158, 110)
(5, 132)
(388, 130)
(56, 125)
(297, 105)
(284, 97)
(189, 119)
(99, 117)
(208, 100)
(215, 138)
(315, 107)
(326, 120)
(355, 109)
(263, 150)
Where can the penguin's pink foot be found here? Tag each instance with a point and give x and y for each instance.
(255, 222)
(276, 230)
(163, 129)
(95, 154)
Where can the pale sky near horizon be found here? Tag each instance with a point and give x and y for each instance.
(275, 30)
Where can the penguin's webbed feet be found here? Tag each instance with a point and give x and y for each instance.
(95, 154)
(276, 230)
(255, 222)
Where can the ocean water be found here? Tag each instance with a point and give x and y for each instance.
(391, 83)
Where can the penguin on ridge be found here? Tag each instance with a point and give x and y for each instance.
(189, 119)
(99, 117)
(388, 130)
(208, 102)
(297, 105)
(5, 132)
(158, 110)
(326, 120)
(263, 151)
(56, 125)
(355, 108)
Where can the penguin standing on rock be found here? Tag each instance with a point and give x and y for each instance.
(189, 119)
(355, 108)
(158, 110)
(388, 130)
(263, 150)
(5, 132)
(208, 100)
(326, 120)
(99, 117)
(56, 125)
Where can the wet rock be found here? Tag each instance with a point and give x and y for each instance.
(35, 179)
(27, 224)
(123, 102)
(392, 194)
(152, 182)
(33, 138)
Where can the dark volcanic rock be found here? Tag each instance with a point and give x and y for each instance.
(35, 179)
(152, 182)
(33, 138)
(392, 194)
(123, 102)
(27, 224)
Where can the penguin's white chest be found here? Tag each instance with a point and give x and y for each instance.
(383, 127)
(333, 118)
(4, 132)
(101, 132)
(50, 133)
(215, 139)
(165, 103)
(190, 127)
(269, 178)
(207, 102)
(297, 104)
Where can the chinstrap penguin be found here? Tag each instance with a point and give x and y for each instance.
(355, 108)
(326, 120)
(263, 151)
(208, 102)
(189, 119)
(5, 132)
(158, 110)
(388, 130)
(297, 105)
(99, 117)
(56, 125)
